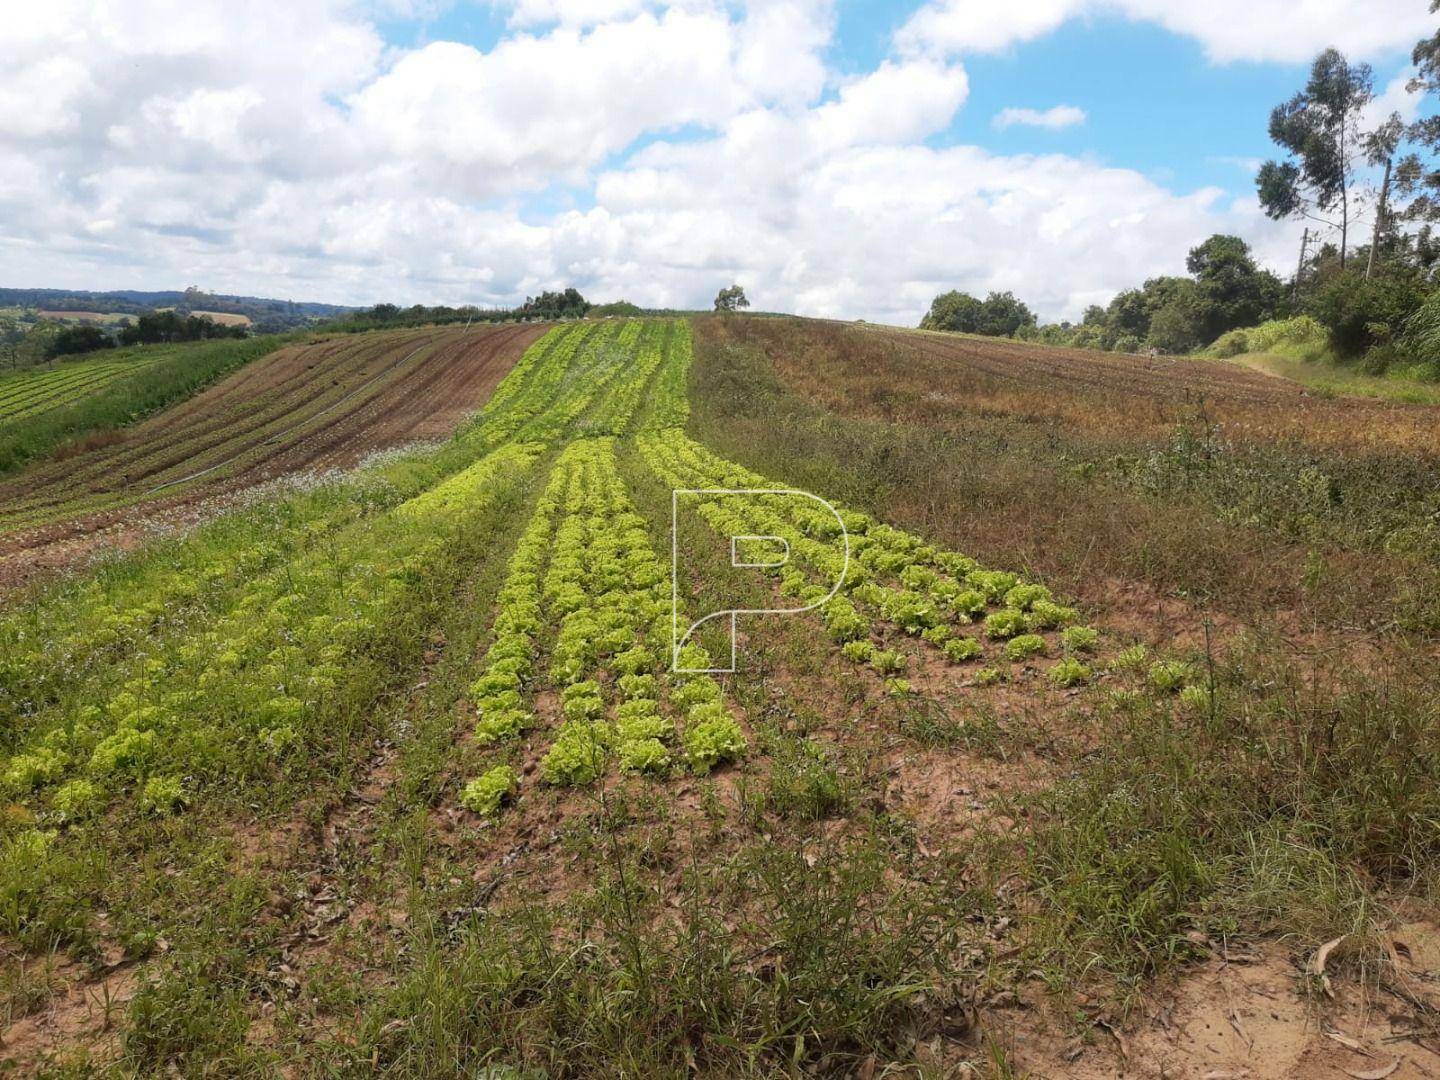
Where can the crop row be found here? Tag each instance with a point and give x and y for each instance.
(63, 639)
(230, 430)
(933, 595)
(268, 679)
(643, 357)
(157, 713)
(231, 655)
(57, 642)
(586, 588)
(26, 393)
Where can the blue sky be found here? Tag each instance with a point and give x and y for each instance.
(837, 158)
(1153, 100)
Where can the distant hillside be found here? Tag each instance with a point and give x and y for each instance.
(266, 315)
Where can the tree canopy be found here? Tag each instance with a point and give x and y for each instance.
(1319, 129)
(731, 298)
(998, 315)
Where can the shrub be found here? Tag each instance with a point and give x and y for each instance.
(1231, 343)
(1420, 336)
(1360, 314)
(484, 794)
(1301, 337)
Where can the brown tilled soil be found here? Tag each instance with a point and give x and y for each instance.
(313, 407)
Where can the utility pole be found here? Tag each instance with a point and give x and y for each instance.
(1379, 219)
(1304, 248)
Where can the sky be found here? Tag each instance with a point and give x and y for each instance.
(841, 159)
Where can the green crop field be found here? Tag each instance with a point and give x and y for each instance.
(413, 767)
(26, 393)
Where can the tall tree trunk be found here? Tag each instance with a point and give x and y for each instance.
(1344, 178)
(1379, 220)
(1300, 269)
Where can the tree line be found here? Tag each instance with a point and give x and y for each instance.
(547, 307)
(1373, 297)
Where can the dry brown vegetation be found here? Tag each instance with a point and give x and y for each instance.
(1186, 866)
(1131, 481)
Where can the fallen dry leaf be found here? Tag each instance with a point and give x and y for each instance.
(1317, 962)
(1375, 1074)
(1347, 1041)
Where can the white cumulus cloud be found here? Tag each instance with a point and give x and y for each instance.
(1052, 119)
(654, 151)
(1228, 30)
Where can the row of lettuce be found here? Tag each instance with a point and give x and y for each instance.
(590, 649)
(586, 591)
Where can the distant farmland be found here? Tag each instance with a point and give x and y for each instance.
(223, 318)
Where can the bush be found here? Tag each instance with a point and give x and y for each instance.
(1229, 344)
(80, 339)
(1300, 332)
(1420, 336)
(1361, 314)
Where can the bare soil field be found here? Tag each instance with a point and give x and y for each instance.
(316, 406)
(224, 318)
